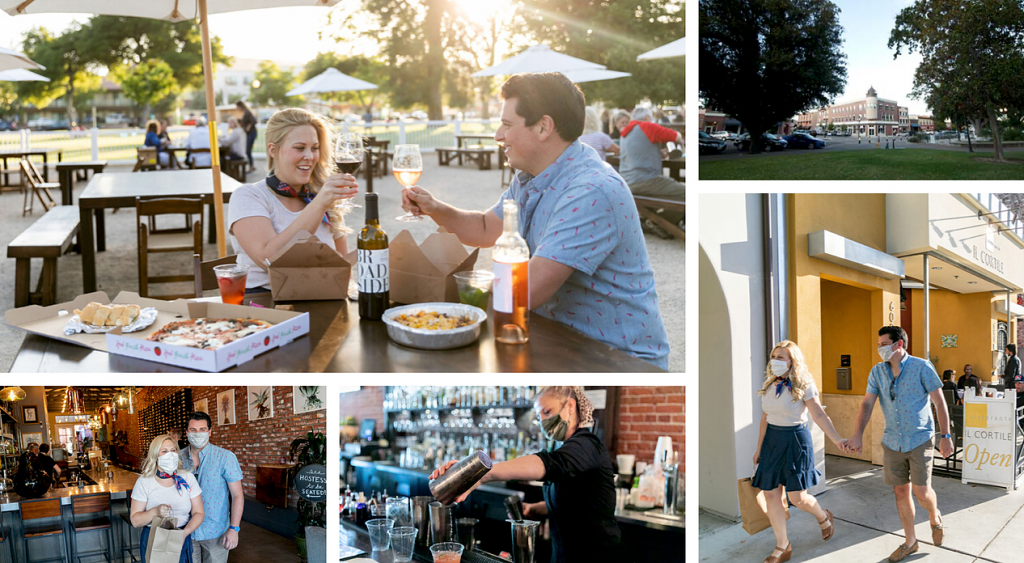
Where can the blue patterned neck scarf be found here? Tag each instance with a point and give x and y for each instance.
(285, 190)
(781, 382)
(179, 481)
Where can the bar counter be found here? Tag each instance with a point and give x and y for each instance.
(122, 483)
(359, 538)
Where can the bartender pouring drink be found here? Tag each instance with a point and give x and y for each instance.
(578, 476)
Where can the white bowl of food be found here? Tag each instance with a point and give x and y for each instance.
(434, 326)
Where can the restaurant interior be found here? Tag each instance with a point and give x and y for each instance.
(99, 438)
(393, 438)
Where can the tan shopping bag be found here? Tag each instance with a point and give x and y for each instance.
(754, 506)
(165, 541)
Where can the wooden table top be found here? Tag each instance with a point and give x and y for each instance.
(338, 341)
(81, 164)
(36, 151)
(120, 189)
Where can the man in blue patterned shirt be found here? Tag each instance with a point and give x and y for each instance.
(903, 385)
(220, 477)
(589, 267)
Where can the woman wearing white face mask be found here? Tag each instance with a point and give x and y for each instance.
(578, 476)
(785, 450)
(166, 490)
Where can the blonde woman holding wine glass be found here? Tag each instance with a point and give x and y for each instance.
(408, 166)
(785, 449)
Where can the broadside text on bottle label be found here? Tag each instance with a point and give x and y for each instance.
(373, 271)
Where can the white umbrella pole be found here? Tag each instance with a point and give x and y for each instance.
(211, 109)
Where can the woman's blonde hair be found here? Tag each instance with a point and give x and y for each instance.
(150, 465)
(592, 124)
(282, 122)
(584, 408)
(799, 377)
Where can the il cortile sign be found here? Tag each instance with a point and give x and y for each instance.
(311, 483)
(988, 455)
(983, 256)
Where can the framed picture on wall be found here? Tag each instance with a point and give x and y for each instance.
(308, 398)
(201, 406)
(261, 402)
(226, 407)
(29, 414)
(30, 437)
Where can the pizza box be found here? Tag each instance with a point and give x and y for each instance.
(306, 269)
(49, 321)
(424, 273)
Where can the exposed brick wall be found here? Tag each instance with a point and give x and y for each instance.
(367, 402)
(645, 413)
(263, 442)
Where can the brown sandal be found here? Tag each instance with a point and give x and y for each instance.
(826, 533)
(784, 556)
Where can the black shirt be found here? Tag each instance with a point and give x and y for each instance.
(962, 382)
(248, 121)
(579, 491)
(948, 384)
(1012, 370)
(47, 463)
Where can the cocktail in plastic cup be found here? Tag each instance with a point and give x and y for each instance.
(474, 287)
(231, 282)
(447, 552)
(378, 529)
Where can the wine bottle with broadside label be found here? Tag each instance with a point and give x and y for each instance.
(372, 262)
(511, 280)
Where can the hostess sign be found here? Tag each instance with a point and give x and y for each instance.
(988, 455)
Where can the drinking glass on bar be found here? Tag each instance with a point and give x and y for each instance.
(231, 282)
(408, 166)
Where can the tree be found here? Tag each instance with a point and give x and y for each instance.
(67, 67)
(763, 61)
(972, 57)
(363, 68)
(147, 83)
(613, 34)
(274, 85)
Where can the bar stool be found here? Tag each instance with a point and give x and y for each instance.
(93, 506)
(37, 510)
(126, 520)
(5, 540)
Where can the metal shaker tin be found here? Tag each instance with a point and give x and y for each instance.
(460, 477)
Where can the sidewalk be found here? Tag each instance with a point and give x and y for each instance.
(982, 524)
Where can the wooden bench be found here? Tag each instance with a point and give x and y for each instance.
(648, 208)
(480, 155)
(48, 238)
(235, 168)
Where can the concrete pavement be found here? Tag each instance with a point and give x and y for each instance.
(835, 144)
(981, 523)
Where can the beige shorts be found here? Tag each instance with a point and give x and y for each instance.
(913, 467)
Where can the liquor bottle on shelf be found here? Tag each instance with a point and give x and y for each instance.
(372, 245)
(511, 280)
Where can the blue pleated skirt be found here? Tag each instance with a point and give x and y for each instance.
(787, 459)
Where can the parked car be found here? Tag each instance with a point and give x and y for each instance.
(804, 141)
(8, 125)
(768, 141)
(711, 145)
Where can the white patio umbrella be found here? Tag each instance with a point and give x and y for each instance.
(593, 75)
(12, 59)
(331, 80)
(539, 58)
(170, 10)
(21, 75)
(676, 48)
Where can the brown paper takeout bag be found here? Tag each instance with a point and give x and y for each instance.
(306, 269)
(423, 273)
(165, 541)
(754, 506)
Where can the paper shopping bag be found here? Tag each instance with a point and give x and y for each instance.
(165, 541)
(754, 506)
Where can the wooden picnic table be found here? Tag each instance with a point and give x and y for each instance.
(112, 191)
(66, 172)
(460, 138)
(338, 341)
(675, 166)
(39, 151)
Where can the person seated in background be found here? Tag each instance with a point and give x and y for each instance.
(199, 138)
(974, 381)
(589, 268)
(47, 462)
(947, 380)
(641, 167)
(968, 372)
(234, 141)
(594, 138)
(153, 140)
(619, 120)
(165, 141)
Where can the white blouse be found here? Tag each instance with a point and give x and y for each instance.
(781, 410)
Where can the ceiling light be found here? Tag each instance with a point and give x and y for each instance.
(12, 394)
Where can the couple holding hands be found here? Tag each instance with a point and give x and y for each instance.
(903, 385)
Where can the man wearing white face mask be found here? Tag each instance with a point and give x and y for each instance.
(903, 384)
(220, 476)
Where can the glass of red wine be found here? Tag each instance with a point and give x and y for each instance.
(408, 166)
(348, 157)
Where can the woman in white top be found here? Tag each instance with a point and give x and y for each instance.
(301, 188)
(785, 450)
(168, 491)
(234, 140)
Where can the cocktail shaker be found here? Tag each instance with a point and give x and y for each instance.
(460, 477)
(421, 519)
(467, 534)
(524, 541)
(442, 523)
(514, 507)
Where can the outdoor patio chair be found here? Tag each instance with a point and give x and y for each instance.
(192, 158)
(146, 160)
(204, 277)
(153, 243)
(36, 188)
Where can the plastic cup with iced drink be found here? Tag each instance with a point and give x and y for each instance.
(447, 552)
(231, 282)
(474, 287)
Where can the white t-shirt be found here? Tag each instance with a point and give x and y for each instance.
(153, 494)
(781, 410)
(257, 200)
(199, 138)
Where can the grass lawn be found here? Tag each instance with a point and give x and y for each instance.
(904, 164)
